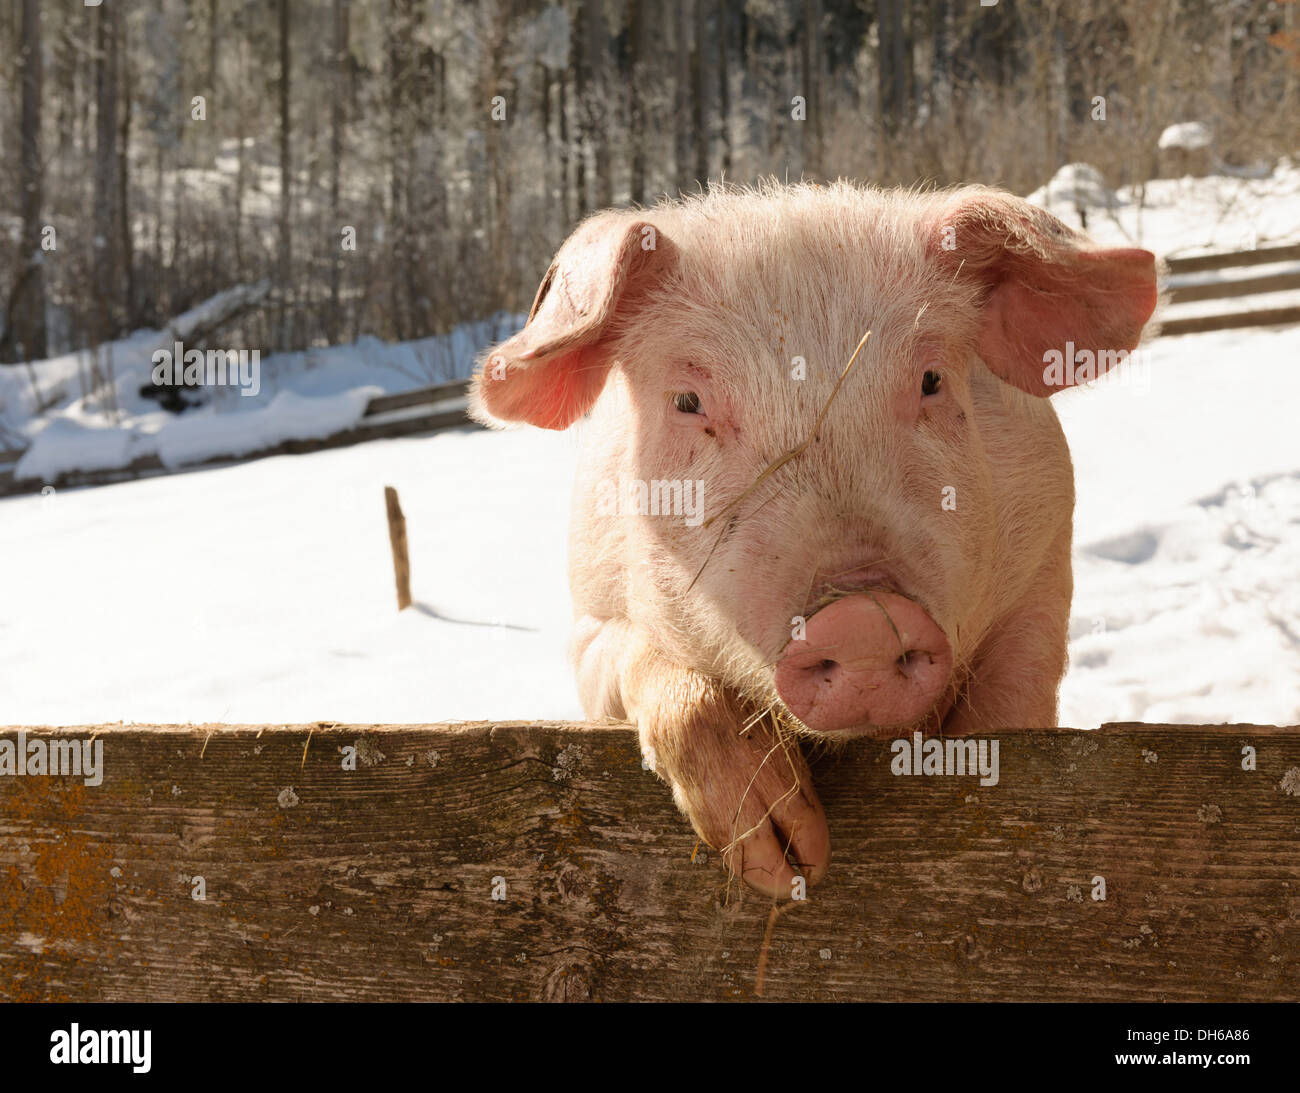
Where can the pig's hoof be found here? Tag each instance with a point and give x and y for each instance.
(783, 849)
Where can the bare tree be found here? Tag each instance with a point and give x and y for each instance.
(811, 62)
(127, 245)
(724, 92)
(24, 321)
(595, 48)
(637, 17)
(107, 264)
(699, 92)
(334, 239)
(892, 67)
(283, 335)
(682, 98)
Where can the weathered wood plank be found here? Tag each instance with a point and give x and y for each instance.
(1236, 320)
(1240, 286)
(1259, 256)
(377, 883)
(423, 396)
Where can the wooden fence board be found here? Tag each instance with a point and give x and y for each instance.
(423, 396)
(377, 883)
(1238, 286)
(1237, 320)
(1258, 256)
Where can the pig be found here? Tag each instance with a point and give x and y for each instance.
(879, 549)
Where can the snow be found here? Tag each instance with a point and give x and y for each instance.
(263, 592)
(1194, 618)
(1182, 216)
(1075, 184)
(301, 395)
(1187, 536)
(1189, 135)
(192, 438)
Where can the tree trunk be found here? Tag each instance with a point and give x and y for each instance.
(811, 55)
(892, 66)
(596, 47)
(548, 138)
(241, 165)
(25, 332)
(636, 17)
(107, 262)
(124, 192)
(724, 92)
(495, 78)
(211, 89)
(568, 185)
(286, 235)
(940, 59)
(334, 236)
(699, 92)
(682, 99)
(398, 29)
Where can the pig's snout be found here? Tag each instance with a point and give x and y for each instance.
(869, 659)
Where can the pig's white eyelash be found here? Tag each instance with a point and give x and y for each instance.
(677, 397)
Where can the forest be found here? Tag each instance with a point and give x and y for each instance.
(396, 167)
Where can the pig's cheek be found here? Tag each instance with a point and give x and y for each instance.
(681, 445)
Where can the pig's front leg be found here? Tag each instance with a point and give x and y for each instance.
(747, 792)
(1017, 672)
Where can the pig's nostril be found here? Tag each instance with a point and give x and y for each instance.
(864, 661)
(913, 659)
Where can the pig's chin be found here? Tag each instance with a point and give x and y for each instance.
(929, 722)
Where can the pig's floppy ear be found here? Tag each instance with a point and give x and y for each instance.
(1047, 285)
(552, 371)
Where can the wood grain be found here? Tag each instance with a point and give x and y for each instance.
(1257, 256)
(1239, 286)
(1236, 320)
(377, 883)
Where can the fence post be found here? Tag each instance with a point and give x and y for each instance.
(397, 538)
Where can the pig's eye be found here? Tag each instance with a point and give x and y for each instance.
(688, 402)
(930, 383)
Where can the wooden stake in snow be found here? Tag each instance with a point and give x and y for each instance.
(397, 537)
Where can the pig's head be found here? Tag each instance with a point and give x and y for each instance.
(841, 573)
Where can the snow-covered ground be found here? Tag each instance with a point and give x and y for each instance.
(263, 592)
(1181, 216)
(1187, 536)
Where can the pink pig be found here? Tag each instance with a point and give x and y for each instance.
(874, 552)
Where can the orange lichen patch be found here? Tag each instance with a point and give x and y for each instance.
(63, 902)
(77, 869)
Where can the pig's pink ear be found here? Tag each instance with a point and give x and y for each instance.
(552, 371)
(1047, 285)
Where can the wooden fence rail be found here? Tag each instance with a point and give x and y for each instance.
(541, 861)
(1257, 256)
(452, 413)
(1184, 286)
